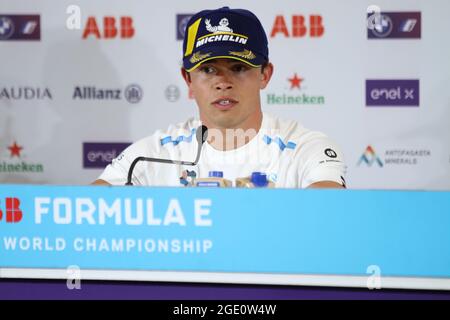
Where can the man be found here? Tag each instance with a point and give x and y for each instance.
(225, 65)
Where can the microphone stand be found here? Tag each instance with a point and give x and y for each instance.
(201, 135)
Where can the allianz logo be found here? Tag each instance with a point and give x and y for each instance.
(133, 93)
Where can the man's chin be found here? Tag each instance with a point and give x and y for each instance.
(229, 119)
(223, 125)
(226, 120)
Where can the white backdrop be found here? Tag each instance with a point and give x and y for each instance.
(42, 136)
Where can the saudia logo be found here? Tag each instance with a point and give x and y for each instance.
(25, 93)
(16, 164)
(296, 83)
(132, 93)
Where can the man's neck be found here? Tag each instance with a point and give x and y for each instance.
(225, 139)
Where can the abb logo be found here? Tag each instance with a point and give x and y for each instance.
(110, 30)
(299, 29)
(13, 212)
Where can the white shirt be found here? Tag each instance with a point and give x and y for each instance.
(290, 155)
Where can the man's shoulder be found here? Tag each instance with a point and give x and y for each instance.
(312, 149)
(163, 140)
(173, 134)
(290, 129)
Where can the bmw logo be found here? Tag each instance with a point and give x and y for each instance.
(6, 28)
(384, 28)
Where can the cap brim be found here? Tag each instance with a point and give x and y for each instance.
(251, 58)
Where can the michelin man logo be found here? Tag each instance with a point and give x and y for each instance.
(222, 27)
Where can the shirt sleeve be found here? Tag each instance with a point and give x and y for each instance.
(322, 160)
(116, 173)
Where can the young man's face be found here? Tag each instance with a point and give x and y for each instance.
(227, 92)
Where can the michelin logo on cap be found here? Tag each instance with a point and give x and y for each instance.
(224, 33)
(220, 33)
(222, 27)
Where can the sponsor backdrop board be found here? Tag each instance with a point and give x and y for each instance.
(80, 80)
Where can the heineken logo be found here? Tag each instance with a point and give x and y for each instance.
(13, 161)
(295, 94)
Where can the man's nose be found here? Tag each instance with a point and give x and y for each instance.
(224, 85)
(223, 82)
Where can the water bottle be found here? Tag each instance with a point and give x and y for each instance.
(256, 180)
(215, 179)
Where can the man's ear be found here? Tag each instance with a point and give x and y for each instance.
(186, 76)
(266, 75)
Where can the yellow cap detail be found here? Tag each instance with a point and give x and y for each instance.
(246, 54)
(191, 34)
(198, 56)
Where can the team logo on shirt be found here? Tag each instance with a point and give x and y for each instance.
(330, 153)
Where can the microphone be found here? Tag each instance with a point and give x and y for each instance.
(201, 135)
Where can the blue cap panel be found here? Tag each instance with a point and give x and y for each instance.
(224, 33)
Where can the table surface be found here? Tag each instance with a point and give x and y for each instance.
(57, 289)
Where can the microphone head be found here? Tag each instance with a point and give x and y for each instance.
(202, 134)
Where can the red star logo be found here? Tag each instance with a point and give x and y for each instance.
(295, 81)
(15, 150)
